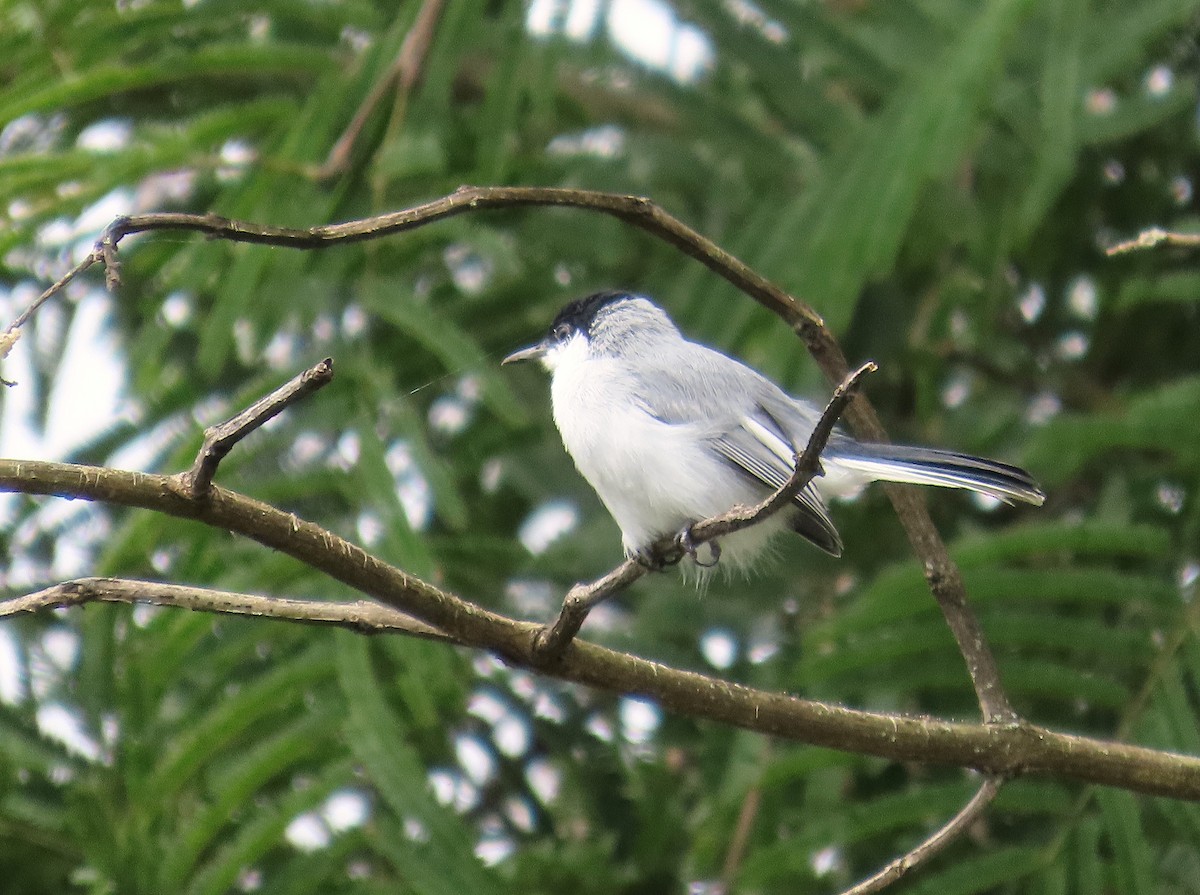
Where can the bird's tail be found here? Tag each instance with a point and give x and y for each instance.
(929, 466)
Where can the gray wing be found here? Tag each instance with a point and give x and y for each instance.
(752, 424)
(759, 448)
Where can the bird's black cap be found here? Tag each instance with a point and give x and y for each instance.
(580, 313)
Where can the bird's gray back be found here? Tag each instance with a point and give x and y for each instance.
(691, 383)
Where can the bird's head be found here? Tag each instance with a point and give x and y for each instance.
(605, 323)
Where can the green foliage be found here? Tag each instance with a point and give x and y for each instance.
(936, 178)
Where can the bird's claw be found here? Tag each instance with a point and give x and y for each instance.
(663, 554)
(688, 547)
(654, 557)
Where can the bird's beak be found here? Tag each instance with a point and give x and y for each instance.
(533, 352)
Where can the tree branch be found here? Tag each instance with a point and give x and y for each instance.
(362, 616)
(806, 466)
(935, 844)
(944, 578)
(634, 210)
(747, 815)
(219, 440)
(403, 73)
(10, 336)
(583, 598)
(1155, 236)
(993, 749)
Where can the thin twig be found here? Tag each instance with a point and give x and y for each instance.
(935, 844)
(363, 616)
(9, 337)
(220, 439)
(994, 749)
(93, 257)
(744, 826)
(583, 598)
(106, 249)
(634, 210)
(1155, 236)
(806, 466)
(404, 73)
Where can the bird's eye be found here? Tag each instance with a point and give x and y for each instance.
(562, 331)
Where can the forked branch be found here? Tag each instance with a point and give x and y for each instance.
(1011, 747)
(944, 579)
(993, 749)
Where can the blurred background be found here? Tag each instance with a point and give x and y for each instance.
(939, 179)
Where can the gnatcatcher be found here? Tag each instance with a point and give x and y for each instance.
(669, 432)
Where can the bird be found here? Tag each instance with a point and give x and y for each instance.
(669, 432)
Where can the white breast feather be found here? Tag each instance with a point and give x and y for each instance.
(643, 469)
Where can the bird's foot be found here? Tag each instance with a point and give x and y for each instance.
(656, 557)
(688, 547)
(669, 552)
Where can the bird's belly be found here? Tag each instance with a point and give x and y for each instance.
(653, 477)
